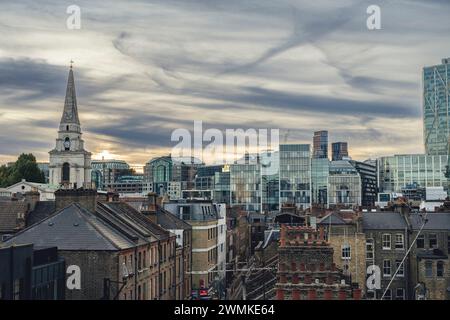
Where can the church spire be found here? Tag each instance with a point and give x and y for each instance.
(70, 112)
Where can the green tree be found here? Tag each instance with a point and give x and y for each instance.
(24, 168)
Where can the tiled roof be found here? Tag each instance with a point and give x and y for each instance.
(135, 219)
(168, 220)
(383, 221)
(333, 219)
(73, 228)
(9, 211)
(42, 210)
(436, 221)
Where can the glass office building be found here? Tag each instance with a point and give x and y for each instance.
(245, 186)
(436, 108)
(295, 175)
(270, 180)
(398, 172)
(320, 144)
(105, 172)
(221, 193)
(254, 186)
(351, 184)
(319, 181)
(339, 150)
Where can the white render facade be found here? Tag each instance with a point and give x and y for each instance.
(70, 163)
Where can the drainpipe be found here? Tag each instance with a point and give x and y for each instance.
(159, 270)
(135, 272)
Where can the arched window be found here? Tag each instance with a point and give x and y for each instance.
(67, 128)
(66, 172)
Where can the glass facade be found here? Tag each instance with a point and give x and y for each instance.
(270, 180)
(319, 181)
(320, 144)
(105, 172)
(222, 186)
(295, 175)
(245, 186)
(339, 150)
(344, 183)
(436, 112)
(397, 173)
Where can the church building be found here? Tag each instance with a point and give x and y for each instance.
(70, 163)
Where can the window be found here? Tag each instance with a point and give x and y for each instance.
(399, 243)
(388, 295)
(386, 241)
(448, 244)
(400, 294)
(145, 259)
(369, 249)
(420, 242)
(140, 261)
(66, 172)
(432, 240)
(401, 271)
(346, 252)
(386, 268)
(428, 269)
(440, 269)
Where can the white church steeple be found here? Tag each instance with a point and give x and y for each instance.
(70, 164)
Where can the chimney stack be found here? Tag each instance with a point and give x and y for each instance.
(87, 198)
(32, 198)
(149, 207)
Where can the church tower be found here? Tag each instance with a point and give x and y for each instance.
(70, 164)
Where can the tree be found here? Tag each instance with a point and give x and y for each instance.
(24, 168)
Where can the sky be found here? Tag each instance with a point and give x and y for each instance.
(145, 68)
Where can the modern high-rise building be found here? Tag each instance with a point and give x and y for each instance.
(254, 185)
(105, 172)
(399, 172)
(436, 108)
(319, 181)
(352, 184)
(295, 175)
(339, 150)
(167, 175)
(320, 144)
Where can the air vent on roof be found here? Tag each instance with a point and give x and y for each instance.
(50, 224)
(76, 224)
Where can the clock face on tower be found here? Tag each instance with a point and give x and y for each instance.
(67, 144)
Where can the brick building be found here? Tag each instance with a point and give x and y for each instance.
(306, 270)
(386, 245)
(345, 236)
(430, 266)
(121, 253)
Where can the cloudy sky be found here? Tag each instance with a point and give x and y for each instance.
(145, 68)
